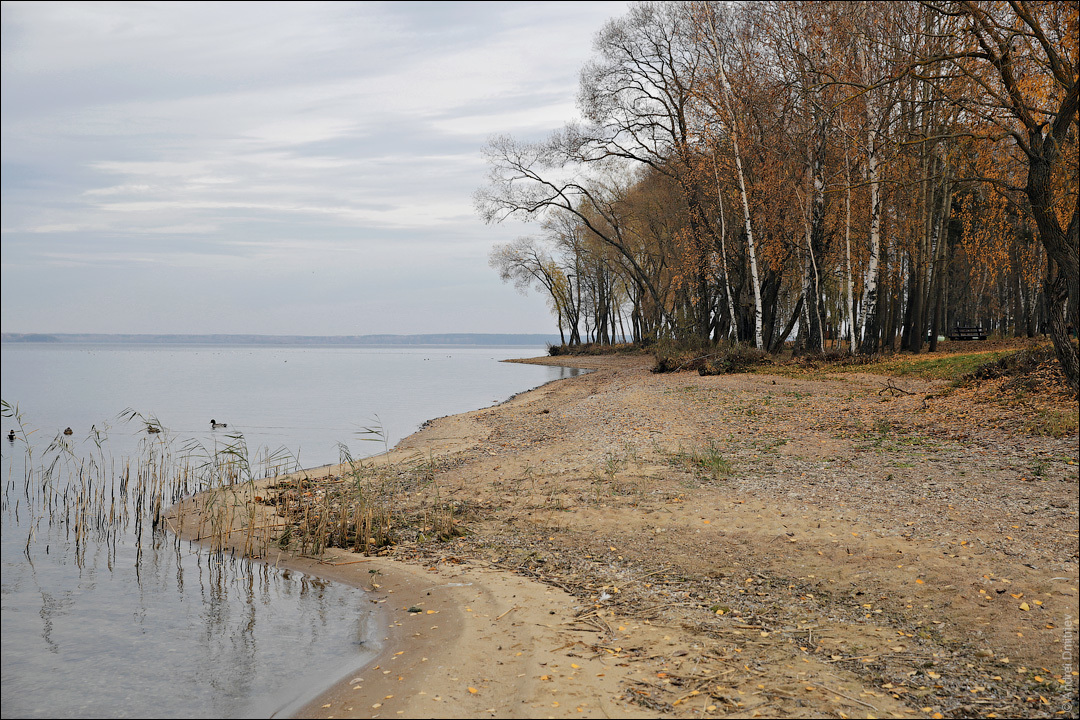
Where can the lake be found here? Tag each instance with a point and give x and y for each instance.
(127, 622)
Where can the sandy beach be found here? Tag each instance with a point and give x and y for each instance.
(744, 545)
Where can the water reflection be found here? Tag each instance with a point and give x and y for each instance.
(105, 614)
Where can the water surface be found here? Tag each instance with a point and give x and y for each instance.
(306, 400)
(135, 623)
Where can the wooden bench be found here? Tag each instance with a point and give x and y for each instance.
(967, 332)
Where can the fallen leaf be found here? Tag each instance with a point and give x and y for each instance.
(473, 690)
(1024, 607)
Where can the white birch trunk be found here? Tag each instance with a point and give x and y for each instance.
(849, 284)
(758, 338)
(817, 210)
(870, 292)
(732, 331)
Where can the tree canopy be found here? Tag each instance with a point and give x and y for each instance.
(860, 175)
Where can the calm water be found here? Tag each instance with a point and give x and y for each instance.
(166, 629)
(305, 400)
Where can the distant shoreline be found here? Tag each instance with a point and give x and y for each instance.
(438, 339)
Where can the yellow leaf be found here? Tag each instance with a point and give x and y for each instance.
(575, 666)
(1024, 607)
(473, 690)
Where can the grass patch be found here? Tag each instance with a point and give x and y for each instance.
(707, 462)
(1054, 423)
(951, 367)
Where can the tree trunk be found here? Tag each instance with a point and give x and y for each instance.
(723, 253)
(849, 288)
(1063, 250)
(870, 293)
(754, 280)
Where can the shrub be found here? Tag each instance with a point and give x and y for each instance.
(737, 358)
(595, 349)
(708, 359)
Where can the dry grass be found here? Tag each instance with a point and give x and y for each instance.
(367, 508)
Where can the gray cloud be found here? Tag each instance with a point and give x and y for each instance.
(274, 168)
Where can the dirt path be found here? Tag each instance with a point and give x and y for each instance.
(746, 545)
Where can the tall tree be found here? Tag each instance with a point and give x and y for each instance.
(1022, 66)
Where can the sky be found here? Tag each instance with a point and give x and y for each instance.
(271, 168)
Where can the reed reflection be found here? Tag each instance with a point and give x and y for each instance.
(110, 611)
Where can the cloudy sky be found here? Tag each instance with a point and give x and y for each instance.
(300, 168)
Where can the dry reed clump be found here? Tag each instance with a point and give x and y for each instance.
(366, 509)
(220, 497)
